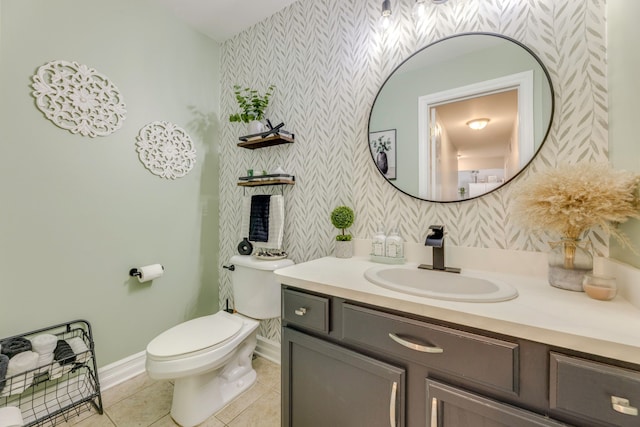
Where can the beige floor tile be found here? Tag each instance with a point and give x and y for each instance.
(168, 422)
(268, 372)
(265, 412)
(144, 407)
(241, 403)
(122, 391)
(95, 420)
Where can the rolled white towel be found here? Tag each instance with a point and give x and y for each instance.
(44, 343)
(43, 362)
(11, 416)
(79, 349)
(20, 372)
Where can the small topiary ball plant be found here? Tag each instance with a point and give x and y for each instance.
(342, 217)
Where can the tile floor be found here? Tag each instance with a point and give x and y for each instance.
(143, 402)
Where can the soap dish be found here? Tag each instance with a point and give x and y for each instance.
(387, 260)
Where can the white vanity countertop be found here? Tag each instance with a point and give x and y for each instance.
(540, 313)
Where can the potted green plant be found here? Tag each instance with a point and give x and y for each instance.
(252, 107)
(342, 218)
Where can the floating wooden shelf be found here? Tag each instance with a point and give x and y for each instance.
(269, 182)
(265, 142)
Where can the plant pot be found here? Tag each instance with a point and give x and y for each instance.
(569, 261)
(255, 126)
(381, 161)
(344, 249)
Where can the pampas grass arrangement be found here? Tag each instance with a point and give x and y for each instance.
(571, 199)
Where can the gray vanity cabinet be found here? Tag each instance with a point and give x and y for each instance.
(345, 363)
(327, 385)
(453, 407)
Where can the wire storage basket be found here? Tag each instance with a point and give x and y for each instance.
(64, 382)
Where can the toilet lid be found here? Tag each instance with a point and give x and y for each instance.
(195, 335)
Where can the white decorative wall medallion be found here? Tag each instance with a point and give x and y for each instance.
(165, 149)
(78, 98)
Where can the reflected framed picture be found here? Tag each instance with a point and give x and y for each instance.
(383, 149)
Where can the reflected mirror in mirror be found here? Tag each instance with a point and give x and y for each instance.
(461, 117)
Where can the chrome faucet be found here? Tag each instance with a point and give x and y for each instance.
(435, 239)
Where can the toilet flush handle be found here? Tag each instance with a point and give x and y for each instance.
(230, 267)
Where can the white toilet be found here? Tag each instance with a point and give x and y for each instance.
(209, 358)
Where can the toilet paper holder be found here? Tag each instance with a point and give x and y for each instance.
(134, 272)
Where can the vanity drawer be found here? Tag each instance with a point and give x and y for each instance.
(585, 388)
(485, 360)
(305, 310)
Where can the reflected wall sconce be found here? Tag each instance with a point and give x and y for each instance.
(477, 124)
(385, 18)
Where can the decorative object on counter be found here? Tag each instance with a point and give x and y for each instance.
(568, 201)
(250, 173)
(245, 247)
(602, 288)
(270, 254)
(342, 218)
(252, 107)
(394, 245)
(165, 149)
(77, 98)
(380, 143)
(377, 243)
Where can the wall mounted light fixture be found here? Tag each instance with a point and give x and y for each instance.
(419, 11)
(385, 18)
(477, 124)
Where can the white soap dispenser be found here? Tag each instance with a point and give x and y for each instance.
(394, 245)
(378, 241)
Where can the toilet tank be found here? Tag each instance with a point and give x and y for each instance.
(256, 291)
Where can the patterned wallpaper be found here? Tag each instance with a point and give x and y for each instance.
(328, 59)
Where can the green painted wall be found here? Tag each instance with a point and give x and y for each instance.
(76, 213)
(624, 94)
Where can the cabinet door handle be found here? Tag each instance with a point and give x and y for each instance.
(392, 405)
(414, 346)
(434, 413)
(300, 311)
(620, 404)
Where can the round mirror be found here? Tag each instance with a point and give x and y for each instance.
(461, 117)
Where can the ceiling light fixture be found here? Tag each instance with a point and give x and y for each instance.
(385, 18)
(477, 124)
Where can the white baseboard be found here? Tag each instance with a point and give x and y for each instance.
(268, 349)
(121, 370)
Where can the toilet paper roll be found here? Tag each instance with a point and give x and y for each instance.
(11, 416)
(150, 272)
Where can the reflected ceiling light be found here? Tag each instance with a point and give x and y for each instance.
(419, 10)
(477, 124)
(385, 18)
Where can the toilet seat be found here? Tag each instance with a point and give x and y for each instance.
(194, 336)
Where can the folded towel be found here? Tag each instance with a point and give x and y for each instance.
(20, 372)
(4, 364)
(11, 416)
(44, 362)
(44, 344)
(56, 370)
(63, 353)
(276, 222)
(259, 218)
(79, 349)
(13, 346)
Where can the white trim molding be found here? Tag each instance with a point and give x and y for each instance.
(268, 349)
(121, 370)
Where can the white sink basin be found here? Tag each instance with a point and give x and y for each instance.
(439, 284)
